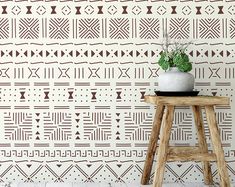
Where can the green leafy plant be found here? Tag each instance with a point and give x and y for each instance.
(174, 56)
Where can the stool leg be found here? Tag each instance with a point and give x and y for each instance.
(152, 144)
(202, 143)
(163, 147)
(217, 146)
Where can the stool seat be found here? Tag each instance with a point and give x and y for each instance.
(188, 101)
(163, 121)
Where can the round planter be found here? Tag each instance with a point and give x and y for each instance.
(174, 80)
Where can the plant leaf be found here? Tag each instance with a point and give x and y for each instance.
(165, 65)
(185, 67)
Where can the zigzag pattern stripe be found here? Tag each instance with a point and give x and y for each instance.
(59, 28)
(209, 28)
(179, 28)
(89, 28)
(4, 28)
(29, 28)
(119, 28)
(149, 28)
(232, 28)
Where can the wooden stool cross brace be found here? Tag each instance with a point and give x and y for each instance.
(166, 153)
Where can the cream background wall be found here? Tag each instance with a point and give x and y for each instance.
(73, 77)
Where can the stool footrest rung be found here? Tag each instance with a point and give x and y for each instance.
(183, 149)
(191, 157)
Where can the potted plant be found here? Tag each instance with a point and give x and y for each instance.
(174, 60)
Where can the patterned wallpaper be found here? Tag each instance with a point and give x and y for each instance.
(73, 76)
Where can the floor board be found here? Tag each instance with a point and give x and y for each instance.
(50, 184)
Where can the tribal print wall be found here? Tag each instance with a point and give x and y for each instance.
(73, 76)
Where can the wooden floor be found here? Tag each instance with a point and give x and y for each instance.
(165, 185)
(49, 184)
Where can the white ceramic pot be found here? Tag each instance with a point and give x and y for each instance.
(175, 81)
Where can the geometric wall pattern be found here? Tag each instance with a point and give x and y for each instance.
(72, 79)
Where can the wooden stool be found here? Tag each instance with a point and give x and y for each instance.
(200, 153)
